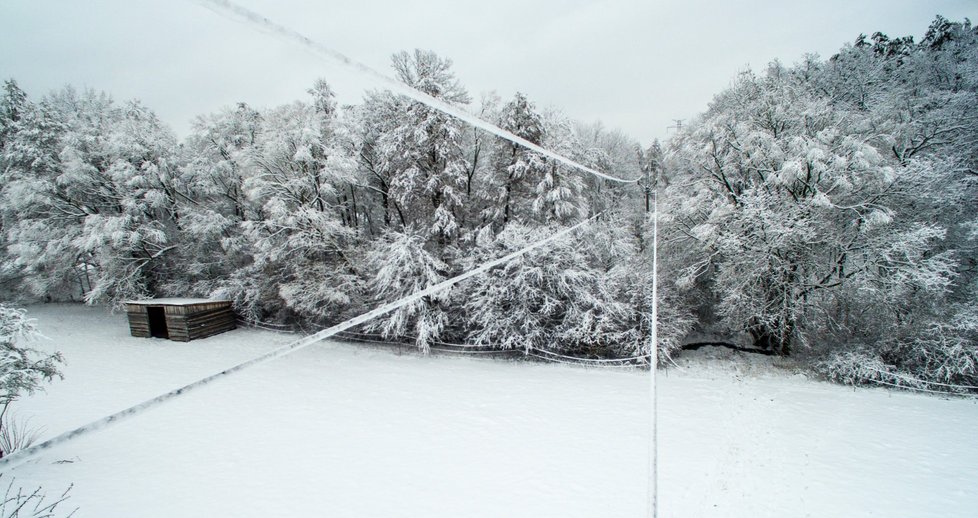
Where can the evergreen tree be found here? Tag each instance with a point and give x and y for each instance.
(516, 170)
(420, 148)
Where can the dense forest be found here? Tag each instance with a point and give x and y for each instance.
(826, 210)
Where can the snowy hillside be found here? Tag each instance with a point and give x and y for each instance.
(347, 431)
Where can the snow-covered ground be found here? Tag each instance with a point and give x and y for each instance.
(346, 431)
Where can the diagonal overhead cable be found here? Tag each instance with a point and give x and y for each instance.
(24, 455)
(236, 12)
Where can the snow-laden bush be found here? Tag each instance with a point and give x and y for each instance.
(22, 369)
(15, 433)
(402, 264)
(556, 297)
(632, 282)
(946, 351)
(943, 356)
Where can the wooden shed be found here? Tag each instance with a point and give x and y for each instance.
(179, 319)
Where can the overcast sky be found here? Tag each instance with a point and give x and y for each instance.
(633, 64)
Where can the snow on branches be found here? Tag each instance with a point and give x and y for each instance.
(822, 203)
(22, 369)
(833, 203)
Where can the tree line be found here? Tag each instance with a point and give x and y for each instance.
(832, 206)
(825, 208)
(313, 212)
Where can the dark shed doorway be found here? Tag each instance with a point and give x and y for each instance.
(157, 322)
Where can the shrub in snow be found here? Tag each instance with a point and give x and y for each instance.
(941, 356)
(854, 367)
(632, 283)
(621, 252)
(16, 503)
(16, 434)
(22, 369)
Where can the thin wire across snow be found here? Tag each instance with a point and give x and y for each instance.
(28, 453)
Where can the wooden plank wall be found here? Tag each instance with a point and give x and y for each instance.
(191, 326)
(188, 309)
(138, 320)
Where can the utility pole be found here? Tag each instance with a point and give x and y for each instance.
(647, 186)
(651, 164)
(677, 126)
(653, 509)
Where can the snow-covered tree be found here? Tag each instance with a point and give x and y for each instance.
(416, 150)
(812, 199)
(558, 193)
(87, 187)
(516, 171)
(272, 209)
(28, 151)
(611, 151)
(214, 166)
(920, 108)
(303, 187)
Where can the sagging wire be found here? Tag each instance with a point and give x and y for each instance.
(236, 12)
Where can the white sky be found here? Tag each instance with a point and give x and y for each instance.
(633, 64)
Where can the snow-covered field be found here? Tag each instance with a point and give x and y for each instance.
(340, 430)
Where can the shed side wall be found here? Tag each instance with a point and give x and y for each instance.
(138, 320)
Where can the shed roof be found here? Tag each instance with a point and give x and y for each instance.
(174, 302)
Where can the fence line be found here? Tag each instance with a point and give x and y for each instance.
(491, 348)
(909, 387)
(918, 380)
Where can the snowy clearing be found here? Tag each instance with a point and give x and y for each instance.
(344, 430)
